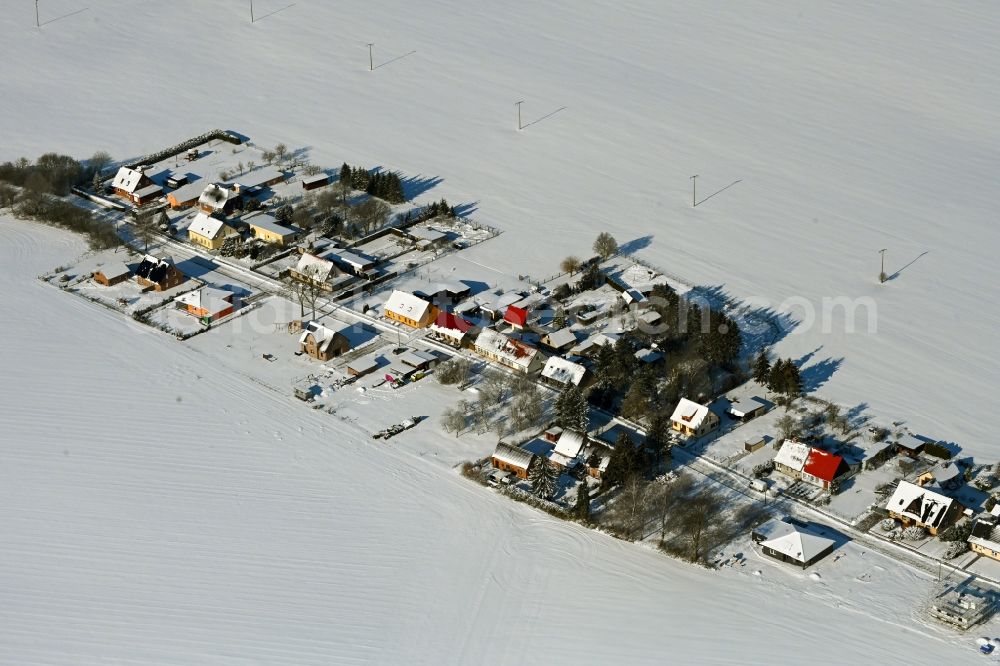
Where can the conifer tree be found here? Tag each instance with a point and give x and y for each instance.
(762, 368)
(543, 477)
(582, 507)
(571, 409)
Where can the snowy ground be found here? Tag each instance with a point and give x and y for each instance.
(161, 506)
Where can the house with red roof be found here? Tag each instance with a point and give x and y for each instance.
(822, 468)
(450, 328)
(516, 317)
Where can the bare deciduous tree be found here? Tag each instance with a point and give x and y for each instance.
(372, 213)
(570, 265)
(268, 156)
(145, 228)
(605, 245)
(280, 151)
(99, 161)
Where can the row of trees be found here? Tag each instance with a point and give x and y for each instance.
(382, 184)
(781, 377)
(53, 173)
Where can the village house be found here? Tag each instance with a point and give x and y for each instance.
(648, 355)
(568, 447)
(512, 459)
(497, 308)
(186, 195)
(209, 232)
(444, 293)
(315, 181)
(135, 186)
(559, 372)
(560, 340)
(791, 543)
(516, 317)
(811, 465)
(692, 419)
(158, 274)
(314, 270)
(407, 309)
(597, 456)
(508, 352)
(208, 303)
(266, 228)
(112, 273)
(922, 507)
(450, 329)
(322, 343)
(218, 200)
(985, 536)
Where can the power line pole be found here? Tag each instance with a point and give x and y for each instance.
(251, 11)
(694, 190)
(37, 24)
(371, 63)
(518, 105)
(881, 275)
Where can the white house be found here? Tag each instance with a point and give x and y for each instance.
(561, 372)
(914, 505)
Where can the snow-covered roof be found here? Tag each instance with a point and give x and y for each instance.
(513, 455)
(986, 533)
(640, 278)
(530, 301)
(148, 191)
(650, 317)
(416, 358)
(127, 179)
(423, 233)
(799, 545)
(210, 299)
(945, 471)
(321, 334)
(190, 192)
(908, 441)
(690, 413)
(743, 406)
(405, 304)
(920, 504)
(570, 443)
(560, 370)
(513, 351)
(269, 223)
(257, 177)
(792, 454)
(215, 196)
(502, 301)
(450, 325)
(114, 269)
(315, 178)
(364, 364)
(206, 226)
(632, 296)
(352, 259)
(647, 355)
(561, 338)
(314, 267)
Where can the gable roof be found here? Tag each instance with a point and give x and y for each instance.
(257, 177)
(513, 455)
(822, 465)
(515, 315)
(690, 413)
(407, 305)
(513, 351)
(190, 192)
(908, 441)
(799, 545)
(207, 298)
(792, 454)
(147, 191)
(920, 504)
(207, 226)
(314, 267)
(451, 325)
(269, 223)
(321, 334)
(128, 179)
(153, 268)
(743, 406)
(561, 338)
(570, 443)
(560, 370)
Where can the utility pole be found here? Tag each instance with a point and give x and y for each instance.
(37, 24)
(251, 11)
(881, 275)
(371, 63)
(518, 105)
(694, 190)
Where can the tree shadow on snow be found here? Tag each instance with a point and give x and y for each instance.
(818, 374)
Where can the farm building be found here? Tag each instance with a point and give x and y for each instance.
(908, 445)
(922, 507)
(209, 232)
(207, 303)
(252, 182)
(112, 273)
(352, 262)
(322, 343)
(314, 270)
(791, 543)
(693, 419)
(218, 200)
(508, 352)
(444, 293)
(135, 186)
(407, 309)
(267, 229)
(426, 238)
(158, 274)
(560, 372)
(362, 366)
(186, 195)
(315, 181)
(450, 329)
(512, 459)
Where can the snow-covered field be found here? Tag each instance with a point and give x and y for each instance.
(159, 508)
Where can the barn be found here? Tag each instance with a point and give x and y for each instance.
(112, 273)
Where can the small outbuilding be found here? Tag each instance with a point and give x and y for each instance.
(745, 409)
(362, 366)
(315, 181)
(112, 273)
(186, 196)
(512, 459)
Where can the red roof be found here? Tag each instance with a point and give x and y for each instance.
(448, 320)
(822, 465)
(515, 315)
